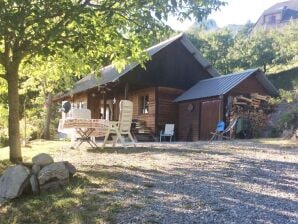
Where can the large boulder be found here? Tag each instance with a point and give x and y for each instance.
(35, 169)
(54, 171)
(42, 159)
(71, 168)
(53, 185)
(34, 184)
(13, 181)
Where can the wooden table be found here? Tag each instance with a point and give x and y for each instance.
(85, 129)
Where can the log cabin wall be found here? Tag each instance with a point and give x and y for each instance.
(93, 105)
(80, 98)
(166, 110)
(149, 118)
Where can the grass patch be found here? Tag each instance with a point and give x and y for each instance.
(36, 147)
(73, 204)
(283, 143)
(286, 79)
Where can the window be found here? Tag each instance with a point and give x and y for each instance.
(272, 20)
(144, 104)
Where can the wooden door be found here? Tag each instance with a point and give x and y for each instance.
(211, 113)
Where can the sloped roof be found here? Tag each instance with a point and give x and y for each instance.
(292, 4)
(110, 74)
(223, 84)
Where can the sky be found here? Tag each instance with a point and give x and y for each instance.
(235, 12)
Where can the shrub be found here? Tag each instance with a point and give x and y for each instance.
(3, 138)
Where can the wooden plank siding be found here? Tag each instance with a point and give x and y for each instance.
(188, 122)
(149, 118)
(211, 113)
(197, 124)
(81, 97)
(249, 85)
(167, 111)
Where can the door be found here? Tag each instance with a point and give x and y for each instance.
(211, 113)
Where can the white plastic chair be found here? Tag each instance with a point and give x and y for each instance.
(121, 127)
(168, 132)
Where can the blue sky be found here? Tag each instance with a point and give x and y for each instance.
(236, 12)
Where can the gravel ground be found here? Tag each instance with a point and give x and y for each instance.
(219, 182)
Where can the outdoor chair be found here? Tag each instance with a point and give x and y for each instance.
(121, 127)
(222, 133)
(168, 132)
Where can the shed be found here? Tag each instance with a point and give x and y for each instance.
(204, 104)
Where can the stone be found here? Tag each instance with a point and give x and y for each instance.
(42, 159)
(54, 185)
(53, 171)
(71, 168)
(34, 184)
(35, 169)
(13, 181)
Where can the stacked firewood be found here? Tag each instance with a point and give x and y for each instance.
(255, 107)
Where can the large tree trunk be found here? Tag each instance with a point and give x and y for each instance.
(46, 131)
(13, 121)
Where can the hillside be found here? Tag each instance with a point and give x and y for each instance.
(287, 79)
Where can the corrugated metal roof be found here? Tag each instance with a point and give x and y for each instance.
(110, 74)
(223, 84)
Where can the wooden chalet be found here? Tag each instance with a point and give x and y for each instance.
(162, 92)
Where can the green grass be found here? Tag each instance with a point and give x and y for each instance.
(36, 147)
(73, 204)
(283, 143)
(286, 79)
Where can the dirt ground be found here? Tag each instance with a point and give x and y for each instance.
(218, 182)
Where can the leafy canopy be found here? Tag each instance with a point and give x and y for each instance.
(110, 28)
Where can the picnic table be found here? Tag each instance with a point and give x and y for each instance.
(83, 130)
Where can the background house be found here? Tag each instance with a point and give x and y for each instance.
(279, 14)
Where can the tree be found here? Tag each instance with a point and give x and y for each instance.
(107, 27)
(51, 74)
(215, 46)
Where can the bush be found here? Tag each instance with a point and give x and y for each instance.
(3, 138)
(289, 119)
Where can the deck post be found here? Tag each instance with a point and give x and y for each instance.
(126, 91)
(104, 105)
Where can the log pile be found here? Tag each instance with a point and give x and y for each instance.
(255, 107)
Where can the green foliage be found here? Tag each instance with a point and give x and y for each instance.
(286, 96)
(215, 46)
(287, 79)
(289, 119)
(248, 49)
(3, 137)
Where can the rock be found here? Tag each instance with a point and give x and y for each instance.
(42, 159)
(53, 171)
(54, 185)
(13, 181)
(34, 184)
(35, 169)
(28, 165)
(71, 168)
